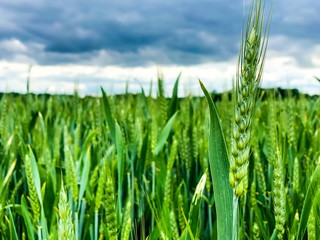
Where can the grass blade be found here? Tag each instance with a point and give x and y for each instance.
(84, 176)
(26, 218)
(164, 134)
(121, 166)
(108, 113)
(173, 106)
(219, 167)
(308, 201)
(8, 176)
(13, 230)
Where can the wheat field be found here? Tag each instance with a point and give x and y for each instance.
(243, 164)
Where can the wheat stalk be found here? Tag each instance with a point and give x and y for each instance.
(251, 61)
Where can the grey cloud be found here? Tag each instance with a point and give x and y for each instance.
(132, 32)
(124, 28)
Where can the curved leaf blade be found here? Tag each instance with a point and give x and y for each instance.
(312, 191)
(164, 135)
(219, 169)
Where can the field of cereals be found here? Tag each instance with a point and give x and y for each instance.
(239, 165)
(135, 167)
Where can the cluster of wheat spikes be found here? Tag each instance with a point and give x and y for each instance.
(125, 173)
(137, 167)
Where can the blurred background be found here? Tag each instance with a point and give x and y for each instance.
(63, 45)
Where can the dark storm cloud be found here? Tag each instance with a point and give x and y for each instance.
(142, 31)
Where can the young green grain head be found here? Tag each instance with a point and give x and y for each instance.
(65, 227)
(71, 177)
(250, 66)
(110, 208)
(168, 180)
(34, 202)
(127, 219)
(279, 196)
(173, 226)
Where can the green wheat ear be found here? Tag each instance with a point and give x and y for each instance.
(65, 227)
(279, 197)
(110, 209)
(34, 202)
(127, 219)
(250, 66)
(71, 176)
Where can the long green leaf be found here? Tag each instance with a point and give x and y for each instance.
(108, 113)
(173, 106)
(26, 218)
(88, 141)
(13, 230)
(164, 134)
(313, 188)
(8, 176)
(120, 154)
(219, 167)
(144, 105)
(84, 176)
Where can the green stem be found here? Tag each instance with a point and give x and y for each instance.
(39, 233)
(210, 220)
(96, 222)
(235, 229)
(76, 226)
(153, 188)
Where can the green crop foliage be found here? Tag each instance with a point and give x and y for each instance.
(61, 170)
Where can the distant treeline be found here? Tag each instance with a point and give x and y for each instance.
(279, 93)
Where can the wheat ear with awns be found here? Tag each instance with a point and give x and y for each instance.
(249, 73)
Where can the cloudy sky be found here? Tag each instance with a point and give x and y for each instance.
(111, 42)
